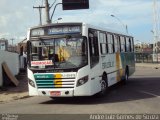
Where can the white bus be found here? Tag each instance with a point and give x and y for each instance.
(77, 59)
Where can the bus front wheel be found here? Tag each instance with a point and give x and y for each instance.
(104, 87)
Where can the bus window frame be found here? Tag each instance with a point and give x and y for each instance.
(117, 43)
(122, 44)
(94, 58)
(110, 42)
(103, 43)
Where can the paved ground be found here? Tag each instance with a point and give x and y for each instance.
(12, 93)
(140, 95)
(151, 65)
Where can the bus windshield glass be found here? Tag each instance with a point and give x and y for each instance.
(62, 53)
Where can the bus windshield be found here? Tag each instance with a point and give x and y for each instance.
(62, 53)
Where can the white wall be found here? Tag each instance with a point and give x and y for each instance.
(12, 60)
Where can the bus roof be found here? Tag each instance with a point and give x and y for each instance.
(106, 29)
(84, 24)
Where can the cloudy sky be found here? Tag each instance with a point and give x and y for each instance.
(16, 16)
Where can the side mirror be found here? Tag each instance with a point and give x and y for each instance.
(28, 50)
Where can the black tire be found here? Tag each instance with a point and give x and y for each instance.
(104, 87)
(126, 76)
(124, 81)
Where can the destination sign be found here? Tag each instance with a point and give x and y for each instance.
(56, 30)
(64, 30)
(37, 32)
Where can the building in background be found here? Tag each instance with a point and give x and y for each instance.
(22, 47)
(3, 44)
(143, 47)
(22, 50)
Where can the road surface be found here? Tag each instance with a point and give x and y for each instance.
(141, 94)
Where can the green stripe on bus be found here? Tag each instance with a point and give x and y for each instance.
(43, 76)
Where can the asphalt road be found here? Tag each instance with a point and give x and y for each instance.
(141, 94)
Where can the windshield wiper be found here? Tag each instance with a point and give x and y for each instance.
(66, 64)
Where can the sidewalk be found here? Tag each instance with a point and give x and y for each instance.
(152, 65)
(10, 93)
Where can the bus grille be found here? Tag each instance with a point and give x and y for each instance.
(44, 81)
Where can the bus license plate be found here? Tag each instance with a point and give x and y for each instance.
(55, 93)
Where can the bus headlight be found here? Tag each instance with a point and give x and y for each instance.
(82, 81)
(31, 82)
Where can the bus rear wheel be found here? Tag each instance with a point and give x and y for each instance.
(126, 76)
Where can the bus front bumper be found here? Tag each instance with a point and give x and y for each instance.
(54, 93)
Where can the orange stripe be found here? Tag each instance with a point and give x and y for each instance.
(118, 66)
(58, 80)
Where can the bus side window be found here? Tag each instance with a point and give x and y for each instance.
(103, 40)
(128, 45)
(113, 43)
(122, 42)
(110, 43)
(93, 47)
(132, 44)
(116, 43)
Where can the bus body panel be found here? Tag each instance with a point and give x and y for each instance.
(88, 89)
(32, 90)
(128, 60)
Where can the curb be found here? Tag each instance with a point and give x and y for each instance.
(156, 66)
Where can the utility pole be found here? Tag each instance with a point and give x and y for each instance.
(12, 41)
(12, 44)
(40, 13)
(47, 8)
(156, 27)
(48, 20)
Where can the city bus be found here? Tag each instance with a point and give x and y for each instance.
(77, 59)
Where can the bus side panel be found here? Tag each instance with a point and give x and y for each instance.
(92, 86)
(128, 60)
(95, 78)
(112, 65)
(132, 63)
(82, 90)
